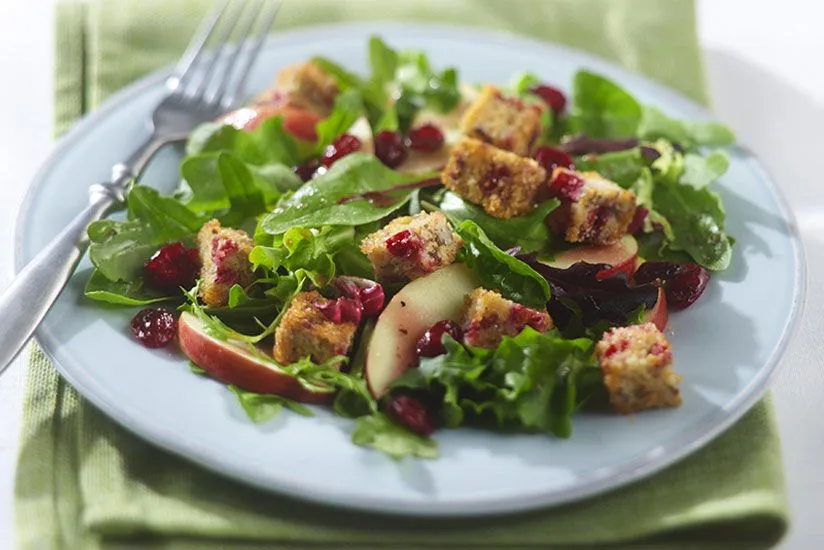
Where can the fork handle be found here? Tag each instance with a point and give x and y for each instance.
(24, 304)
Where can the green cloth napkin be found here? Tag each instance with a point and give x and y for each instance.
(84, 482)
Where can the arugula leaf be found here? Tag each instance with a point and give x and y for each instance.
(415, 75)
(499, 271)
(379, 432)
(323, 200)
(529, 232)
(196, 369)
(701, 171)
(601, 108)
(622, 167)
(655, 124)
(125, 293)
(533, 381)
(348, 108)
(522, 82)
(120, 248)
(261, 407)
(269, 143)
(697, 220)
(245, 199)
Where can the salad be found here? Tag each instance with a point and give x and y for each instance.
(419, 253)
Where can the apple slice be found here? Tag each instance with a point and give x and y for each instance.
(415, 308)
(620, 255)
(658, 315)
(232, 364)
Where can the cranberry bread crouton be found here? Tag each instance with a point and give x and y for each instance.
(505, 122)
(593, 209)
(503, 183)
(305, 86)
(637, 366)
(489, 317)
(410, 247)
(310, 328)
(224, 256)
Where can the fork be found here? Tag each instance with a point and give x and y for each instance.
(202, 86)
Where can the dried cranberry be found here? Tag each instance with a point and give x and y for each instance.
(172, 266)
(345, 144)
(369, 293)
(341, 310)
(307, 170)
(566, 186)
(425, 138)
(403, 244)
(683, 283)
(389, 148)
(553, 97)
(154, 327)
(637, 222)
(430, 344)
(551, 158)
(522, 316)
(411, 413)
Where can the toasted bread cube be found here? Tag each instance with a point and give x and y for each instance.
(224, 256)
(637, 366)
(503, 183)
(304, 86)
(593, 209)
(505, 122)
(306, 331)
(488, 317)
(410, 247)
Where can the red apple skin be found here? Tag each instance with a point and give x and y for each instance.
(232, 365)
(620, 255)
(658, 315)
(298, 122)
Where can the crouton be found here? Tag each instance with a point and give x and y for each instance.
(305, 86)
(410, 247)
(224, 256)
(503, 183)
(637, 366)
(505, 122)
(488, 317)
(593, 209)
(306, 331)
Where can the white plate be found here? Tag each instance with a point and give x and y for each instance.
(726, 346)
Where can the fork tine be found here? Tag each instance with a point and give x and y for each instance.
(249, 60)
(237, 47)
(196, 46)
(196, 90)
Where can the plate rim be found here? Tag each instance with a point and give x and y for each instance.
(639, 467)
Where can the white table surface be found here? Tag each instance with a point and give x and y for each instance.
(765, 72)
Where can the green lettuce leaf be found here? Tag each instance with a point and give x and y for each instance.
(499, 271)
(602, 109)
(701, 171)
(655, 124)
(322, 201)
(696, 217)
(379, 432)
(124, 293)
(530, 382)
(529, 232)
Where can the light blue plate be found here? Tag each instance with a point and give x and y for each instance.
(726, 346)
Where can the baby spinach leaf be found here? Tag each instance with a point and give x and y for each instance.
(529, 232)
(348, 108)
(269, 143)
(601, 108)
(383, 60)
(622, 167)
(500, 271)
(325, 200)
(379, 432)
(696, 217)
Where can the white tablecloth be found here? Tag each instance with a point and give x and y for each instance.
(766, 80)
